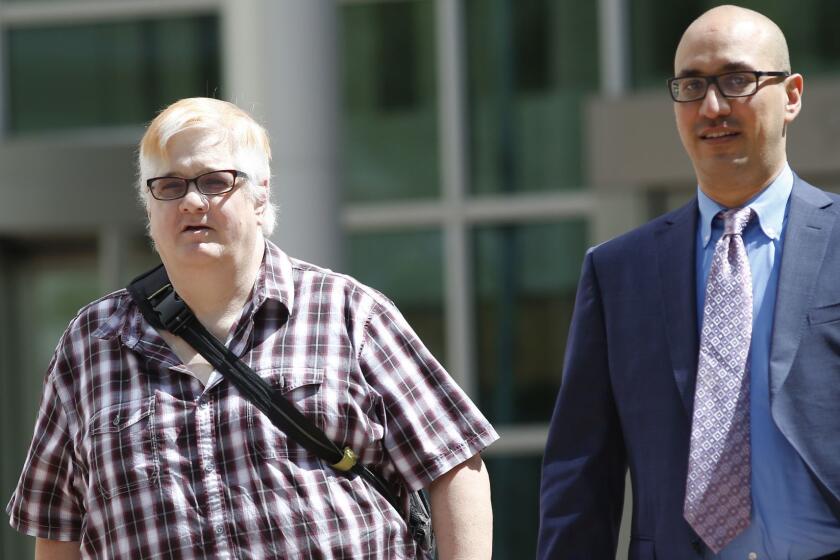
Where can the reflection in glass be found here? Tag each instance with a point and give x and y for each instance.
(106, 74)
(515, 488)
(140, 257)
(43, 292)
(408, 268)
(390, 100)
(810, 27)
(526, 277)
(530, 66)
(656, 27)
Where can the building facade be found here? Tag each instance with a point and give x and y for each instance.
(458, 155)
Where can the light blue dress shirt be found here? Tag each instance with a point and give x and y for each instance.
(790, 519)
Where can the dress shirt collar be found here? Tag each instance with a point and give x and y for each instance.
(769, 206)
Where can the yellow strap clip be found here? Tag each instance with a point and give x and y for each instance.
(348, 461)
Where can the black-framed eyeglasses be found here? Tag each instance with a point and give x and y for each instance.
(212, 183)
(742, 83)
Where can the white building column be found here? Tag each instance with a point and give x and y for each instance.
(614, 42)
(281, 63)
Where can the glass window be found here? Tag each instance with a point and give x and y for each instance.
(140, 257)
(810, 27)
(390, 100)
(515, 487)
(530, 66)
(656, 28)
(408, 268)
(56, 291)
(45, 286)
(106, 74)
(526, 279)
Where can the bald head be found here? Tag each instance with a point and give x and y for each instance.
(738, 27)
(736, 141)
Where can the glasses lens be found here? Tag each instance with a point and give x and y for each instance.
(737, 83)
(688, 89)
(168, 188)
(217, 182)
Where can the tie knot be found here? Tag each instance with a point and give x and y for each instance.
(735, 220)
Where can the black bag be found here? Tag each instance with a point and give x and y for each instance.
(162, 308)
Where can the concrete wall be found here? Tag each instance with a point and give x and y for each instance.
(57, 186)
(632, 142)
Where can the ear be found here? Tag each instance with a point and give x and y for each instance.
(261, 200)
(793, 100)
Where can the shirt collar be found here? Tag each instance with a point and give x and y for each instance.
(274, 282)
(769, 206)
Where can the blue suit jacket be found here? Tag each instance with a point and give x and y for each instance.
(628, 388)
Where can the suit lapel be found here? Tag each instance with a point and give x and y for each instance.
(676, 248)
(806, 239)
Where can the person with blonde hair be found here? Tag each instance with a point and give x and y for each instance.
(142, 449)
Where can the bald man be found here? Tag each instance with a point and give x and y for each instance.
(703, 353)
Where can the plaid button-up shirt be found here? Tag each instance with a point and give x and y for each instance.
(136, 458)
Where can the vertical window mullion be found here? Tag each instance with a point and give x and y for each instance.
(454, 176)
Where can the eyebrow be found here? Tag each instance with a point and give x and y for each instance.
(728, 67)
(179, 175)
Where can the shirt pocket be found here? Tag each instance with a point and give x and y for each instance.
(301, 387)
(124, 451)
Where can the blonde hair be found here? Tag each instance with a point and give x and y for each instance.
(233, 127)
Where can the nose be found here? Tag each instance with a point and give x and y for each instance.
(714, 104)
(193, 201)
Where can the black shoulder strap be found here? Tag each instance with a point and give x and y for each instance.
(163, 309)
(144, 289)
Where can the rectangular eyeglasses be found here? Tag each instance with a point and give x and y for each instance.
(212, 183)
(742, 83)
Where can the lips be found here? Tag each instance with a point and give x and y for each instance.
(190, 228)
(716, 134)
(718, 130)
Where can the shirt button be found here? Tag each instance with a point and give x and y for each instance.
(752, 556)
(209, 468)
(220, 530)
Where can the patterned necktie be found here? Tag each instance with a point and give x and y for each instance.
(717, 498)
